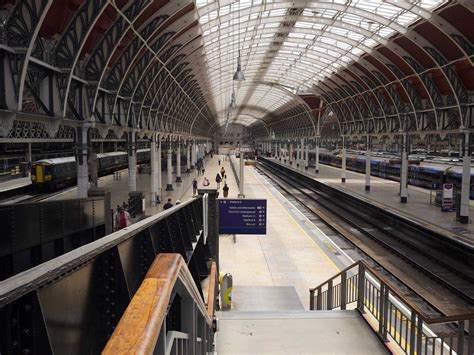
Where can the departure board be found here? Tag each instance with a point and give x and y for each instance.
(242, 216)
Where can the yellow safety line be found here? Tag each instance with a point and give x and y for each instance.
(301, 228)
(402, 339)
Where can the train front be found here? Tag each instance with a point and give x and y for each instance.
(41, 174)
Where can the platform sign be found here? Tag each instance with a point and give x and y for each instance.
(242, 216)
(447, 204)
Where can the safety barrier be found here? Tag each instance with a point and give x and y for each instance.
(168, 291)
(399, 318)
(72, 304)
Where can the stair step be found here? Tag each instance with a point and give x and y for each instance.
(225, 315)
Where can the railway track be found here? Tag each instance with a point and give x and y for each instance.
(439, 270)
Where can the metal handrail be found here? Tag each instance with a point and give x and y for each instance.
(143, 323)
(38, 276)
(398, 317)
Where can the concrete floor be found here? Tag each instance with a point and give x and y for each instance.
(295, 332)
(286, 256)
(386, 193)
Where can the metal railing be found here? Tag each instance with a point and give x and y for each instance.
(399, 319)
(72, 303)
(168, 291)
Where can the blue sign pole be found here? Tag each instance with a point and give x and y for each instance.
(242, 216)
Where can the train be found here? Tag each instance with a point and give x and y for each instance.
(56, 173)
(427, 175)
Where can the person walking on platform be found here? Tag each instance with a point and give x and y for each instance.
(124, 218)
(218, 181)
(222, 172)
(206, 182)
(226, 190)
(219, 162)
(168, 204)
(195, 186)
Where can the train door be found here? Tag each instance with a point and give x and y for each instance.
(39, 173)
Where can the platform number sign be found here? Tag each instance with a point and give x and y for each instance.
(242, 216)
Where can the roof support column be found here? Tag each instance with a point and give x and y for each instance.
(317, 156)
(306, 156)
(159, 175)
(291, 153)
(466, 182)
(404, 172)
(194, 156)
(154, 172)
(81, 159)
(367, 165)
(178, 162)
(343, 163)
(169, 168)
(188, 157)
(132, 162)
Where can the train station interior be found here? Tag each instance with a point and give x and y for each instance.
(236, 177)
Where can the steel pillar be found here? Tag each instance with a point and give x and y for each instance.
(81, 159)
(169, 169)
(404, 173)
(154, 172)
(132, 162)
(159, 174)
(367, 166)
(188, 157)
(317, 158)
(466, 182)
(178, 163)
(343, 164)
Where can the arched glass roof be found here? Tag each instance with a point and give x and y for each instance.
(287, 46)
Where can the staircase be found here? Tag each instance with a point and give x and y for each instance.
(343, 318)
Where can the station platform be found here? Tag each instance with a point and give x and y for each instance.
(14, 184)
(385, 194)
(181, 190)
(287, 255)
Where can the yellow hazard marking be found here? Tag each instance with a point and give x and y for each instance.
(228, 296)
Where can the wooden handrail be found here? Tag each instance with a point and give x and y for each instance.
(211, 295)
(139, 328)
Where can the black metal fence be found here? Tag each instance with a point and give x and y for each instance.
(72, 303)
(33, 233)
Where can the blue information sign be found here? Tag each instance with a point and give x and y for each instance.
(242, 216)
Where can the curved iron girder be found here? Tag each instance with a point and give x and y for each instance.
(93, 67)
(149, 76)
(24, 32)
(161, 88)
(138, 67)
(134, 48)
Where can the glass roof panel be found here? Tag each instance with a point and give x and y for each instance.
(286, 46)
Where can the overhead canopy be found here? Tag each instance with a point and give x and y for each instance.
(298, 48)
(156, 65)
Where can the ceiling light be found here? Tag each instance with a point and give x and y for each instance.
(239, 74)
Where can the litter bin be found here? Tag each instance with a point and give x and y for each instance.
(136, 203)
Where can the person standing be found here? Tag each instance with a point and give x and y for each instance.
(219, 162)
(222, 172)
(195, 186)
(124, 218)
(226, 190)
(168, 204)
(218, 181)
